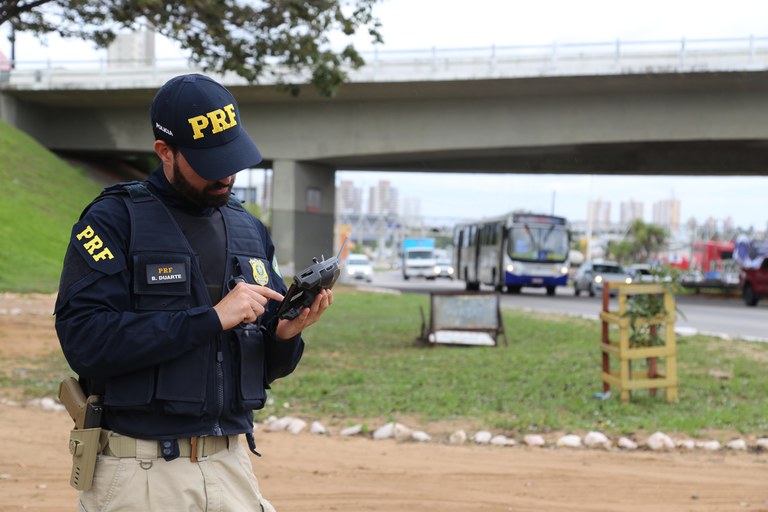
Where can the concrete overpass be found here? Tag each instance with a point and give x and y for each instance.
(679, 112)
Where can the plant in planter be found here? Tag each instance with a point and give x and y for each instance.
(646, 313)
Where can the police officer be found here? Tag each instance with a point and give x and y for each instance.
(166, 310)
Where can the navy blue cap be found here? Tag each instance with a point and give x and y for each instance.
(201, 118)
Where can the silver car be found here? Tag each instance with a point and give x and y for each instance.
(358, 266)
(593, 274)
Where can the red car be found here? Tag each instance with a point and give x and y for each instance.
(754, 283)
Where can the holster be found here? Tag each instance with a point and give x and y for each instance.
(84, 446)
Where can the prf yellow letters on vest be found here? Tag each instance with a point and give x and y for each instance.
(219, 120)
(93, 243)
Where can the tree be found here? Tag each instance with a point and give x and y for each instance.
(287, 41)
(640, 242)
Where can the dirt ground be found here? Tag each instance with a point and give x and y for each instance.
(353, 474)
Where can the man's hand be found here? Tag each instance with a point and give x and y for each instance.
(244, 304)
(287, 329)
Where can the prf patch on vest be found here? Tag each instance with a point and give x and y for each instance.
(259, 271)
(98, 251)
(94, 245)
(159, 273)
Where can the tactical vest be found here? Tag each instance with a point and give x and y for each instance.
(187, 394)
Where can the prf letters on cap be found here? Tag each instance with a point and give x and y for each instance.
(220, 119)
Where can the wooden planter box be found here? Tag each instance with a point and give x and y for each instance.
(622, 377)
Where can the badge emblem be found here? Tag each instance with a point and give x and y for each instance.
(259, 271)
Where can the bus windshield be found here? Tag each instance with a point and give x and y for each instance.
(538, 243)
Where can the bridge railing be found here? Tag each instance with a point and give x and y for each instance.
(571, 59)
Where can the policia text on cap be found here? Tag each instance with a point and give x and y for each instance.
(146, 320)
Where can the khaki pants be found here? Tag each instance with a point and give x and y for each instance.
(222, 482)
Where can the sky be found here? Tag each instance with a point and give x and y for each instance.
(420, 24)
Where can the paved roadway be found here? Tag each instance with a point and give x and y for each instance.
(726, 317)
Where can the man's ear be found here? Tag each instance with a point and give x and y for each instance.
(164, 152)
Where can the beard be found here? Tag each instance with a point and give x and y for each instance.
(200, 197)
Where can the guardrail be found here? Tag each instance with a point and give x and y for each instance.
(571, 59)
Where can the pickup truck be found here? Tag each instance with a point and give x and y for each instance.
(753, 282)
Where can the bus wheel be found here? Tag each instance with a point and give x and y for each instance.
(515, 290)
(550, 290)
(472, 287)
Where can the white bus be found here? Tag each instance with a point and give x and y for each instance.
(513, 251)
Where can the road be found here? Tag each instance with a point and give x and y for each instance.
(726, 317)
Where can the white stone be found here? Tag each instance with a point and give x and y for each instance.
(5, 476)
(317, 428)
(482, 437)
(384, 432)
(597, 440)
(458, 437)
(626, 443)
(502, 440)
(49, 404)
(762, 443)
(686, 444)
(710, 446)
(351, 431)
(569, 441)
(737, 444)
(402, 433)
(279, 424)
(296, 425)
(534, 440)
(420, 436)
(660, 441)
(397, 430)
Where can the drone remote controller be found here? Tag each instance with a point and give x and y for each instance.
(321, 275)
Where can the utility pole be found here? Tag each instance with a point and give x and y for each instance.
(12, 38)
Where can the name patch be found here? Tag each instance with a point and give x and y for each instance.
(159, 273)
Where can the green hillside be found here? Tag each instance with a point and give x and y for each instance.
(41, 198)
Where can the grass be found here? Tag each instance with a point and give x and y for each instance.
(41, 198)
(362, 361)
(34, 377)
(362, 364)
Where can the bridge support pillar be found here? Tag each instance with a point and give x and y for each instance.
(302, 213)
(8, 109)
